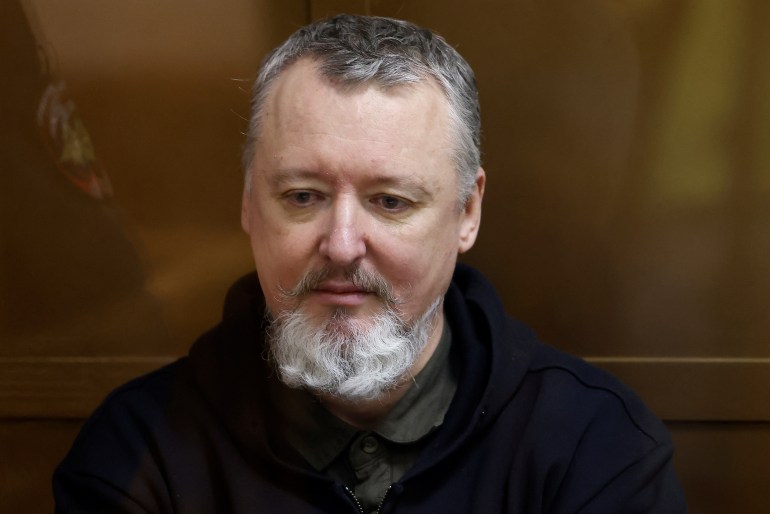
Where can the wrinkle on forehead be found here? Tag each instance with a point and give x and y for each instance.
(301, 96)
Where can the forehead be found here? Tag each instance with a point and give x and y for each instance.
(303, 106)
(304, 79)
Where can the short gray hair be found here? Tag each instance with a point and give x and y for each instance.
(353, 50)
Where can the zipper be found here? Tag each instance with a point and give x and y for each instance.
(382, 500)
(357, 502)
(355, 499)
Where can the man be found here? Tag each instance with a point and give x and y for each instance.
(361, 369)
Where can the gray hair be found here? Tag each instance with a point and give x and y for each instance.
(353, 50)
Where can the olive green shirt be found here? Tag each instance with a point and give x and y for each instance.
(369, 461)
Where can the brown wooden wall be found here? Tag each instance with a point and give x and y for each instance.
(627, 217)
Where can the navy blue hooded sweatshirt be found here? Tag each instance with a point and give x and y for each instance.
(530, 430)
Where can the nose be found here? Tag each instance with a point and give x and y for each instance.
(344, 242)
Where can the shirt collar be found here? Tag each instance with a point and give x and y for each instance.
(320, 437)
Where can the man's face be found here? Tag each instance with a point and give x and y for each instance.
(359, 178)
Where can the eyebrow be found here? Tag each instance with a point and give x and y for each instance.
(406, 182)
(282, 177)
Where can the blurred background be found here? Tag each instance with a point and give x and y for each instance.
(627, 216)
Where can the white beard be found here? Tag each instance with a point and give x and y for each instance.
(345, 357)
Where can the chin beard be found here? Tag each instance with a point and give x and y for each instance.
(348, 358)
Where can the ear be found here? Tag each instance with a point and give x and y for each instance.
(471, 215)
(246, 210)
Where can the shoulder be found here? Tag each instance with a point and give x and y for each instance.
(569, 435)
(595, 438)
(144, 394)
(582, 391)
(126, 420)
(115, 456)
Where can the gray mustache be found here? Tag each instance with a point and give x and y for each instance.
(368, 281)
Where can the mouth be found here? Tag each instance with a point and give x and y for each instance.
(343, 294)
(349, 287)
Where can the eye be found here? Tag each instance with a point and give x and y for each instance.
(302, 198)
(392, 204)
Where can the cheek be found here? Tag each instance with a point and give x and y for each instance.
(277, 239)
(433, 241)
(281, 256)
(422, 265)
(280, 260)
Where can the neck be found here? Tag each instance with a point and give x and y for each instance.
(364, 414)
